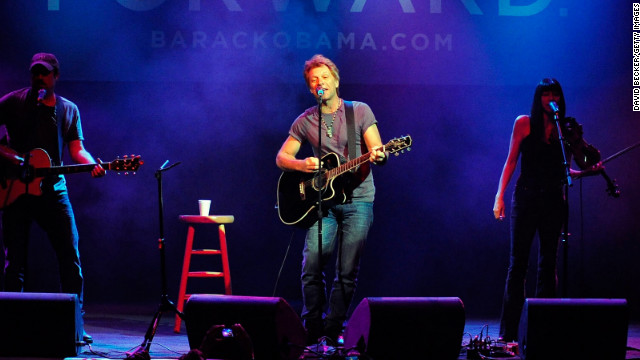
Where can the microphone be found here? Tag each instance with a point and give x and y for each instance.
(41, 94)
(554, 107)
(319, 91)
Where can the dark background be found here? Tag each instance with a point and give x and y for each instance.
(216, 85)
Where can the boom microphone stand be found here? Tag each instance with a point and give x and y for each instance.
(142, 351)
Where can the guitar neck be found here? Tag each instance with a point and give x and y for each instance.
(392, 147)
(339, 170)
(68, 169)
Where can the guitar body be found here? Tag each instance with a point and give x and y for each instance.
(298, 193)
(12, 188)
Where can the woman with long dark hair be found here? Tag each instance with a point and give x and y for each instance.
(538, 200)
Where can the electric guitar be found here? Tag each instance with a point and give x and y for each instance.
(298, 191)
(22, 180)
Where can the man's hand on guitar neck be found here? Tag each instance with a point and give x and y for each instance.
(80, 155)
(98, 170)
(378, 155)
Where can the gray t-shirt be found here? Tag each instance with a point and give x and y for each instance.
(305, 129)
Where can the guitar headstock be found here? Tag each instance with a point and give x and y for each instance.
(612, 188)
(127, 164)
(398, 145)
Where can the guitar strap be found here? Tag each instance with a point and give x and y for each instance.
(351, 130)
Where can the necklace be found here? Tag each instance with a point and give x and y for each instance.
(333, 118)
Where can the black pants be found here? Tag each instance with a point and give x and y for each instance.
(532, 210)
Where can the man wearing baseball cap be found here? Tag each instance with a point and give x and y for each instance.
(35, 117)
(49, 61)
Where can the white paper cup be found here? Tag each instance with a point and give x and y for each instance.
(204, 206)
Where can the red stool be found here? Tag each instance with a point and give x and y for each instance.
(192, 220)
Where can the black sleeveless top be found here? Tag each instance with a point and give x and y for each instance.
(542, 165)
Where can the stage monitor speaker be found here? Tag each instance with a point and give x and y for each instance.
(388, 328)
(274, 328)
(39, 325)
(574, 329)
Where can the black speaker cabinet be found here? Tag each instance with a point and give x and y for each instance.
(269, 321)
(39, 325)
(574, 329)
(407, 328)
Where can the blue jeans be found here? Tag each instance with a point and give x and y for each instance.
(353, 220)
(532, 210)
(53, 213)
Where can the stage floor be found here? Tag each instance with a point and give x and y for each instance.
(118, 330)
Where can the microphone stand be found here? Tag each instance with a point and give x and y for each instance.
(565, 226)
(318, 178)
(142, 351)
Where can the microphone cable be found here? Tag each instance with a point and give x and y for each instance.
(284, 259)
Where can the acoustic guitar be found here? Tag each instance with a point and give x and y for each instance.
(298, 191)
(23, 180)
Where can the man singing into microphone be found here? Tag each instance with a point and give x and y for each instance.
(345, 225)
(537, 204)
(36, 117)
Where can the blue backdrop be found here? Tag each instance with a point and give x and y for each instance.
(216, 85)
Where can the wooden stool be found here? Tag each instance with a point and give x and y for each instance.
(186, 274)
